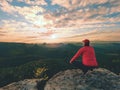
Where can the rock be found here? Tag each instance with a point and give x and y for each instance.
(27, 84)
(98, 79)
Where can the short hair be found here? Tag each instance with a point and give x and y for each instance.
(86, 43)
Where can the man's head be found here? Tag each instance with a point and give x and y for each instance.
(86, 42)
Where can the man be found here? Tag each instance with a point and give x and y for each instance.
(89, 61)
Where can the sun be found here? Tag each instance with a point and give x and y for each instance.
(53, 36)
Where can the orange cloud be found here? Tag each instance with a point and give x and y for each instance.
(77, 3)
(46, 34)
(97, 35)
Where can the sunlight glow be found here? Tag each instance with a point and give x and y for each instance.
(53, 36)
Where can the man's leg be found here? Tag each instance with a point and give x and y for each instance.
(78, 64)
(86, 69)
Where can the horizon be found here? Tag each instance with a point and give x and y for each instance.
(45, 43)
(55, 21)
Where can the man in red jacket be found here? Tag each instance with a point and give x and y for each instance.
(89, 61)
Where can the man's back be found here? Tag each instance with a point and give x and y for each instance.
(89, 61)
(88, 56)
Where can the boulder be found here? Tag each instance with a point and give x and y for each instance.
(27, 84)
(98, 79)
(74, 79)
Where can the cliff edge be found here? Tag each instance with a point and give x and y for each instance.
(98, 79)
(74, 79)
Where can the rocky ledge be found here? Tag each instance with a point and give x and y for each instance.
(98, 79)
(27, 84)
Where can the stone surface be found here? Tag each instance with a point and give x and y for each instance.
(28, 84)
(74, 79)
(98, 79)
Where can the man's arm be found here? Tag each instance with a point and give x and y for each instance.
(79, 52)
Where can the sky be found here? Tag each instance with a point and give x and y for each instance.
(56, 21)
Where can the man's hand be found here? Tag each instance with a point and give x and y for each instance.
(71, 62)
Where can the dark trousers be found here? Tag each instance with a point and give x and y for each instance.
(83, 67)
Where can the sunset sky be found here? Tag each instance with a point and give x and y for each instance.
(54, 21)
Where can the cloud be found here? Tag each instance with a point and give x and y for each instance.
(96, 35)
(78, 15)
(7, 7)
(115, 19)
(2, 32)
(46, 34)
(13, 25)
(32, 16)
(71, 4)
(34, 20)
(22, 31)
(64, 3)
(29, 13)
(72, 18)
(115, 9)
(9, 0)
(34, 2)
(85, 11)
(31, 37)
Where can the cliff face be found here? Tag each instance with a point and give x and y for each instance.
(98, 79)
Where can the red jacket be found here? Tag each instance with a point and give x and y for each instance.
(88, 56)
